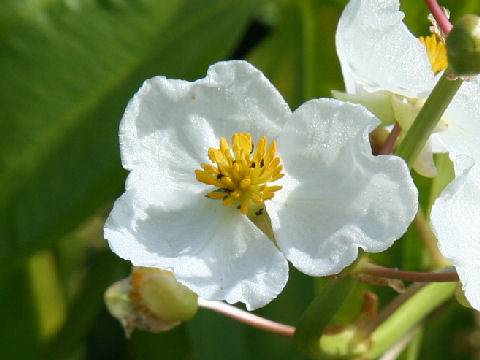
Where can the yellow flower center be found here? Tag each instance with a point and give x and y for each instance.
(241, 177)
(436, 51)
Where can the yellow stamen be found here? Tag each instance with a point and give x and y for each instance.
(436, 51)
(207, 178)
(244, 207)
(216, 195)
(242, 173)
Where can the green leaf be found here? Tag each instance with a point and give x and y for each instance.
(19, 334)
(299, 56)
(68, 69)
(85, 306)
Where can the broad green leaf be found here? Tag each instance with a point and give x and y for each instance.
(85, 307)
(299, 56)
(68, 69)
(19, 331)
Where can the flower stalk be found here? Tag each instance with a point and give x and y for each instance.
(389, 273)
(439, 16)
(247, 318)
(437, 261)
(428, 117)
(391, 140)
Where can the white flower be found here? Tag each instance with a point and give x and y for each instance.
(333, 198)
(379, 55)
(456, 223)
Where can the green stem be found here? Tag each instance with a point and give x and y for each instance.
(247, 318)
(408, 314)
(429, 241)
(428, 118)
(389, 273)
(308, 334)
(413, 349)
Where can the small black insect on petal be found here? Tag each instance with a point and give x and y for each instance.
(219, 176)
(260, 211)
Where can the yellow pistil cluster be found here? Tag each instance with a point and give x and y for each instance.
(241, 178)
(436, 51)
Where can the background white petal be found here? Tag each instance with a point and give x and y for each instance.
(337, 196)
(214, 250)
(462, 117)
(172, 123)
(378, 52)
(455, 221)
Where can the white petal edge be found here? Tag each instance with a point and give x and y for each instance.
(463, 123)
(455, 222)
(169, 119)
(212, 249)
(337, 197)
(377, 51)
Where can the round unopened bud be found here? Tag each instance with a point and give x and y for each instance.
(165, 296)
(150, 299)
(463, 46)
(117, 300)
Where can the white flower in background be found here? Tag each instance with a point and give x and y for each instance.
(190, 200)
(390, 71)
(456, 223)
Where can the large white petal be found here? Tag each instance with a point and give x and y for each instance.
(214, 250)
(378, 52)
(462, 134)
(337, 196)
(170, 123)
(455, 222)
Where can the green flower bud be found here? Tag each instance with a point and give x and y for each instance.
(150, 299)
(117, 300)
(166, 297)
(463, 46)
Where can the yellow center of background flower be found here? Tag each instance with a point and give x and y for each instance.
(241, 177)
(436, 51)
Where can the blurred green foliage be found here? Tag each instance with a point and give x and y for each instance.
(68, 69)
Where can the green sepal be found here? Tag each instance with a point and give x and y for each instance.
(378, 102)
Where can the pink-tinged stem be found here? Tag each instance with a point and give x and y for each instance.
(389, 273)
(439, 16)
(392, 138)
(247, 318)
